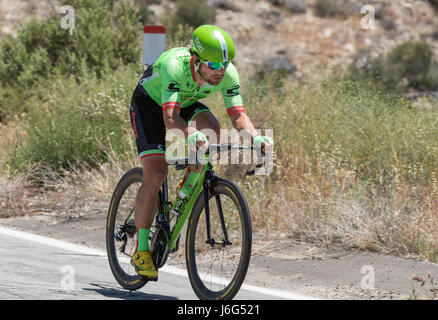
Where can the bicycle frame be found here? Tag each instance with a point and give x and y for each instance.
(181, 220)
(205, 181)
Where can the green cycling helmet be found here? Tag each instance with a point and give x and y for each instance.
(213, 44)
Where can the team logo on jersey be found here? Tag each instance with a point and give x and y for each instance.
(149, 78)
(234, 91)
(173, 87)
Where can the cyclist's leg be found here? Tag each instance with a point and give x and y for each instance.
(203, 119)
(149, 130)
(207, 121)
(200, 117)
(154, 173)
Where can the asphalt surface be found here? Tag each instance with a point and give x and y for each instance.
(43, 268)
(297, 270)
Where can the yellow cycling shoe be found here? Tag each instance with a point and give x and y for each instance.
(143, 264)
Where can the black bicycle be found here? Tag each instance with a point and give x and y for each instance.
(218, 237)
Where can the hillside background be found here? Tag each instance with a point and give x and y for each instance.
(294, 32)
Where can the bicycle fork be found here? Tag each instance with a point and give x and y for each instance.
(209, 182)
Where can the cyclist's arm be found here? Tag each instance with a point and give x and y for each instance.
(234, 103)
(172, 120)
(241, 121)
(236, 111)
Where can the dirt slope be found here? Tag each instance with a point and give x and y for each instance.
(264, 29)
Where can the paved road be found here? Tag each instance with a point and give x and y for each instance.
(292, 268)
(35, 267)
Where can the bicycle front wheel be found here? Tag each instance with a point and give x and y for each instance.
(217, 270)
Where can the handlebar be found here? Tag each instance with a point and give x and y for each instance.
(181, 164)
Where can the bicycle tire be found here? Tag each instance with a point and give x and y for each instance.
(126, 280)
(223, 188)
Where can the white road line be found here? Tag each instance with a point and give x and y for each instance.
(167, 268)
(51, 242)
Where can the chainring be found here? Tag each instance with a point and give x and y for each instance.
(160, 247)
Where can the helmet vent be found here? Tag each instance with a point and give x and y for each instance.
(223, 44)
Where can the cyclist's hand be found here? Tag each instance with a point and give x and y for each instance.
(265, 142)
(197, 139)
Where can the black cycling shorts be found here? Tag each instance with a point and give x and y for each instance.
(148, 123)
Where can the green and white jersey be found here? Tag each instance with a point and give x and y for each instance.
(170, 82)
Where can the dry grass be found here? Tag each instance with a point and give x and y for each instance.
(79, 191)
(293, 209)
(308, 197)
(303, 212)
(324, 193)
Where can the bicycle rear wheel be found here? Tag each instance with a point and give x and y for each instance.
(216, 272)
(120, 230)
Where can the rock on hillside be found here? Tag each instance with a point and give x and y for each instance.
(264, 30)
(14, 13)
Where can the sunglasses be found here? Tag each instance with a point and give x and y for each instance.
(216, 65)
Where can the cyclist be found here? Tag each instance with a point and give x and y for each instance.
(167, 97)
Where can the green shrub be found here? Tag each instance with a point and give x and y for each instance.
(434, 3)
(192, 13)
(415, 62)
(327, 8)
(143, 9)
(80, 123)
(182, 37)
(105, 36)
(409, 65)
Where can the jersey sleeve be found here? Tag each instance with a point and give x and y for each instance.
(170, 87)
(231, 92)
